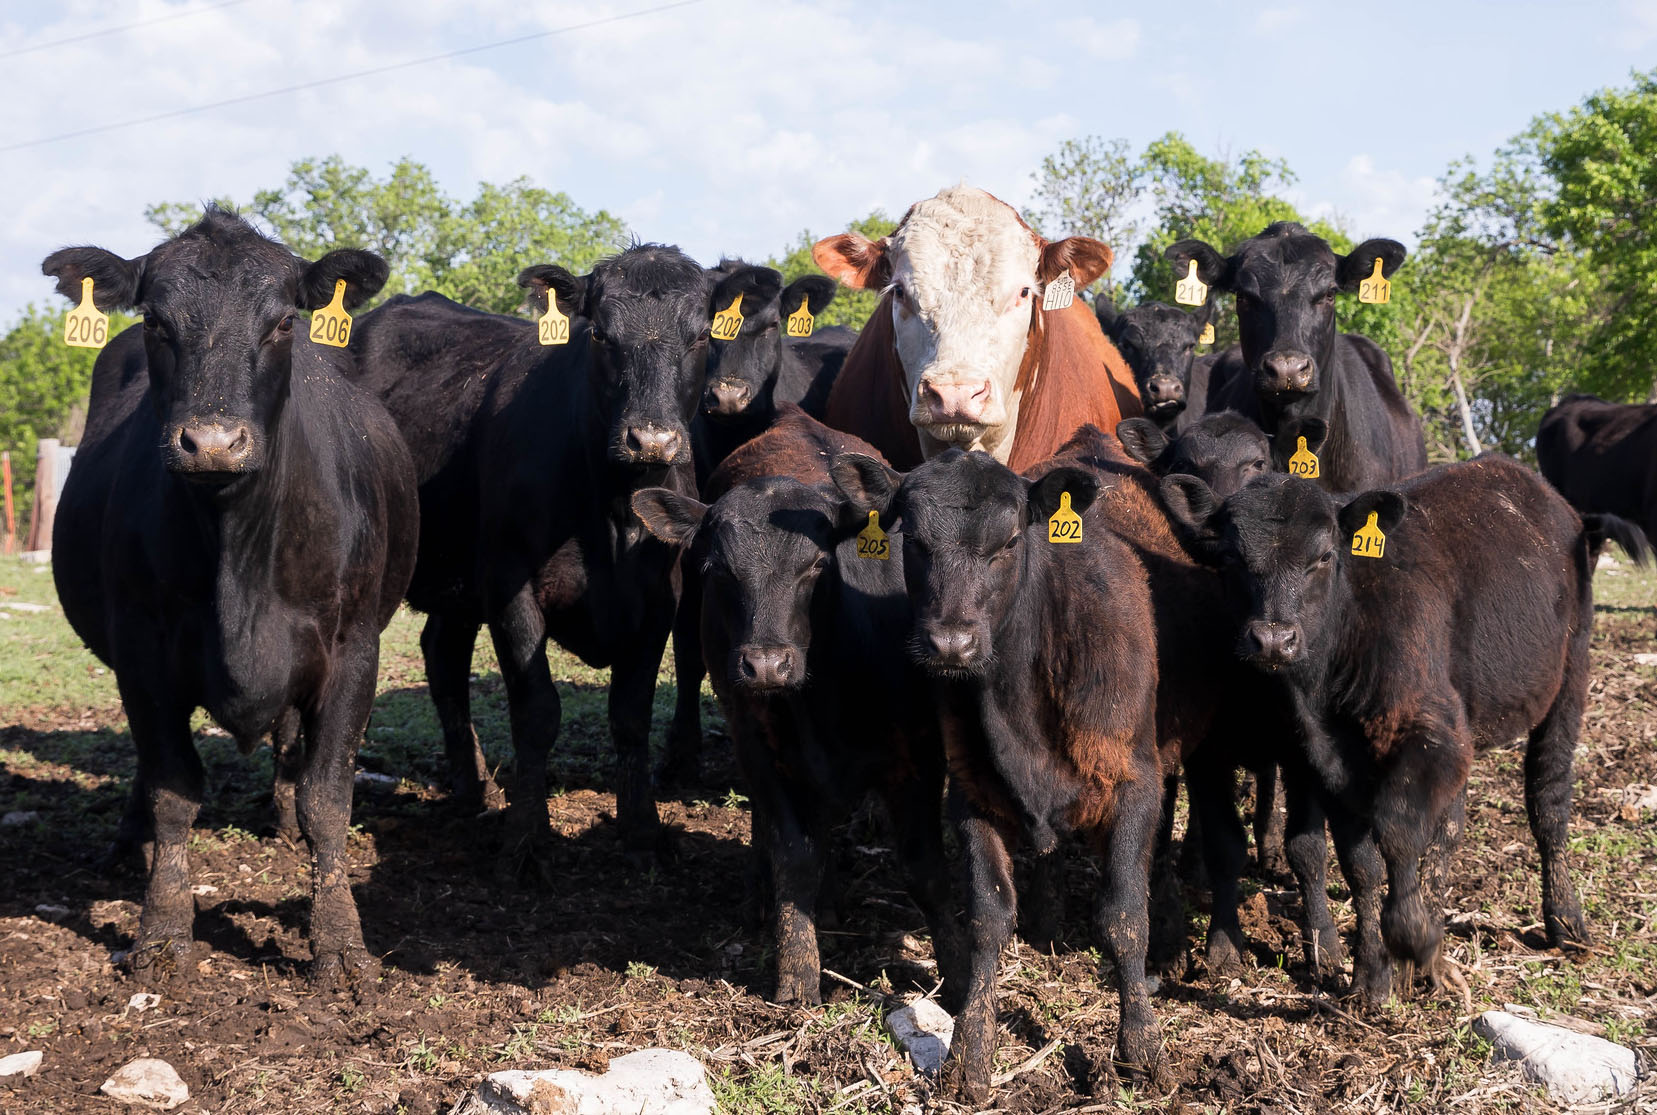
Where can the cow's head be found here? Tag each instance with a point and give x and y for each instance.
(1225, 450)
(648, 314)
(1283, 544)
(967, 523)
(1285, 281)
(220, 305)
(1159, 343)
(742, 372)
(966, 277)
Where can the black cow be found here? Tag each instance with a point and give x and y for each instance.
(1226, 450)
(803, 626)
(1406, 661)
(528, 456)
(238, 528)
(1159, 342)
(1292, 364)
(1603, 457)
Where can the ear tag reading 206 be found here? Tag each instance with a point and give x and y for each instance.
(553, 327)
(1367, 540)
(1375, 290)
(727, 323)
(1191, 291)
(872, 541)
(1065, 525)
(1305, 463)
(799, 322)
(331, 325)
(1206, 337)
(1059, 293)
(86, 326)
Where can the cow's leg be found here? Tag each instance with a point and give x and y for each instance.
(683, 764)
(1041, 901)
(1268, 824)
(992, 904)
(1308, 853)
(796, 850)
(519, 633)
(632, 693)
(132, 833)
(1548, 784)
(170, 771)
(1365, 873)
(447, 642)
(287, 760)
(1212, 786)
(1124, 922)
(1167, 897)
(917, 823)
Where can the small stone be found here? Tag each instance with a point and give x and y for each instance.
(1575, 1068)
(924, 1030)
(375, 783)
(149, 1083)
(647, 1082)
(19, 817)
(50, 912)
(204, 888)
(24, 606)
(21, 1064)
(143, 1001)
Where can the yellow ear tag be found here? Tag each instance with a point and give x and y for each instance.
(331, 325)
(553, 327)
(1206, 337)
(1375, 290)
(799, 322)
(86, 326)
(1305, 463)
(1191, 291)
(1065, 525)
(1059, 293)
(727, 323)
(1367, 540)
(872, 541)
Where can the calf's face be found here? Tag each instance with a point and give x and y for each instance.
(1225, 450)
(1159, 343)
(743, 372)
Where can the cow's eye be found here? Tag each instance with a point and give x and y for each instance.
(151, 321)
(1328, 556)
(285, 326)
(1023, 294)
(1327, 298)
(1258, 464)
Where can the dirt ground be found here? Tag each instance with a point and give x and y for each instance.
(479, 976)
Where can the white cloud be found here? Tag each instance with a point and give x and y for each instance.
(1376, 202)
(1640, 28)
(1270, 20)
(1116, 41)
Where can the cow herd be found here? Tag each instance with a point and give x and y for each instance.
(1003, 558)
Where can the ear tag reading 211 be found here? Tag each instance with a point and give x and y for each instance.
(1367, 540)
(1375, 290)
(727, 323)
(1305, 463)
(1059, 293)
(799, 322)
(1065, 525)
(86, 326)
(872, 541)
(553, 327)
(1191, 291)
(331, 325)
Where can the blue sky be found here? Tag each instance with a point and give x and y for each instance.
(730, 125)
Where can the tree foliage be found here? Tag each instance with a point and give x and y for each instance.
(850, 307)
(1089, 187)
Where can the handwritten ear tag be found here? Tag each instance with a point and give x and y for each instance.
(1059, 293)
(1065, 525)
(727, 323)
(1191, 291)
(872, 541)
(800, 321)
(1305, 463)
(86, 326)
(1375, 290)
(1367, 540)
(553, 327)
(1206, 337)
(331, 325)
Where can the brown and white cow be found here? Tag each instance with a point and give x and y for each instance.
(960, 352)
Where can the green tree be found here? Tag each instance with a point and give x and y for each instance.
(1089, 187)
(850, 307)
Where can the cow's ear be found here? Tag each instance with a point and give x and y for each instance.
(1314, 430)
(817, 290)
(364, 274)
(1046, 495)
(1190, 502)
(1084, 257)
(866, 483)
(1359, 264)
(758, 287)
(668, 515)
(115, 281)
(1143, 439)
(1212, 268)
(1388, 506)
(570, 290)
(1110, 318)
(854, 260)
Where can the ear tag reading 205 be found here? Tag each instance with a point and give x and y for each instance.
(331, 325)
(727, 323)
(1206, 337)
(800, 321)
(1305, 463)
(1191, 291)
(553, 327)
(86, 326)
(1059, 293)
(1065, 525)
(1367, 540)
(872, 541)
(1375, 290)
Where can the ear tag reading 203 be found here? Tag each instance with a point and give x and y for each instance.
(1375, 290)
(1206, 337)
(553, 327)
(1367, 540)
(331, 325)
(872, 541)
(1305, 463)
(1191, 291)
(800, 321)
(86, 326)
(1065, 525)
(727, 323)
(1059, 293)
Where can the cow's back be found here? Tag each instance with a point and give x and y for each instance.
(1602, 456)
(1393, 421)
(796, 446)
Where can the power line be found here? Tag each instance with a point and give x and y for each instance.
(98, 128)
(15, 51)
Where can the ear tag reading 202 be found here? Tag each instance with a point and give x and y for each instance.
(1059, 293)
(1367, 540)
(727, 323)
(799, 322)
(872, 541)
(331, 325)
(86, 326)
(1375, 290)
(1191, 291)
(1206, 337)
(1065, 525)
(1305, 463)
(553, 327)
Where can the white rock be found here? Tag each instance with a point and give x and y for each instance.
(204, 889)
(24, 606)
(143, 1001)
(19, 817)
(1644, 659)
(50, 912)
(1606, 561)
(21, 1064)
(924, 1030)
(648, 1082)
(1575, 1068)
(149, 1083)
(379, 783)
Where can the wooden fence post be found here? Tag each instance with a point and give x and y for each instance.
(46, 494)
(6, 485)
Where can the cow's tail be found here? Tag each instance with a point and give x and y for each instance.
(1600, 529)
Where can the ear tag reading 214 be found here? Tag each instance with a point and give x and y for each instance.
(799, 322)
(331, 325)
(1065, 525)
(727, 323)
(1375, 290)
(1060, 293)
(553, 327)
(1191, 291)
(1305, 463)
(1367, 540)
(86, 326)
(872, 541)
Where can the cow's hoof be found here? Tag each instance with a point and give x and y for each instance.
(1325, 954)
(527, 860)
(158, 960)
(968, 1084)
(1568, 931)
(344, 968)
(1372, 983)
(1221, 958)
(647, 848)
(799, 990)
(682, 767)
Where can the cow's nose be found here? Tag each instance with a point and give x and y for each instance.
(1287, 371)
(652, 444)
(726, 398)
(956, 402)
(767, 667)
(1272, 643)
(212, 447)
(952, 644)
(1164, 390)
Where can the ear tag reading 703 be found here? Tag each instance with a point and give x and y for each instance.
(1065, 525)
(1059, 293)
(1367, 540)
(727, 323)
(1191, 291)
(800, 321)
(872, 541)
(1206, 337)
(86, 326)
(1305, 463)
(1375, 290)
(331, 325)
(553, 327)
